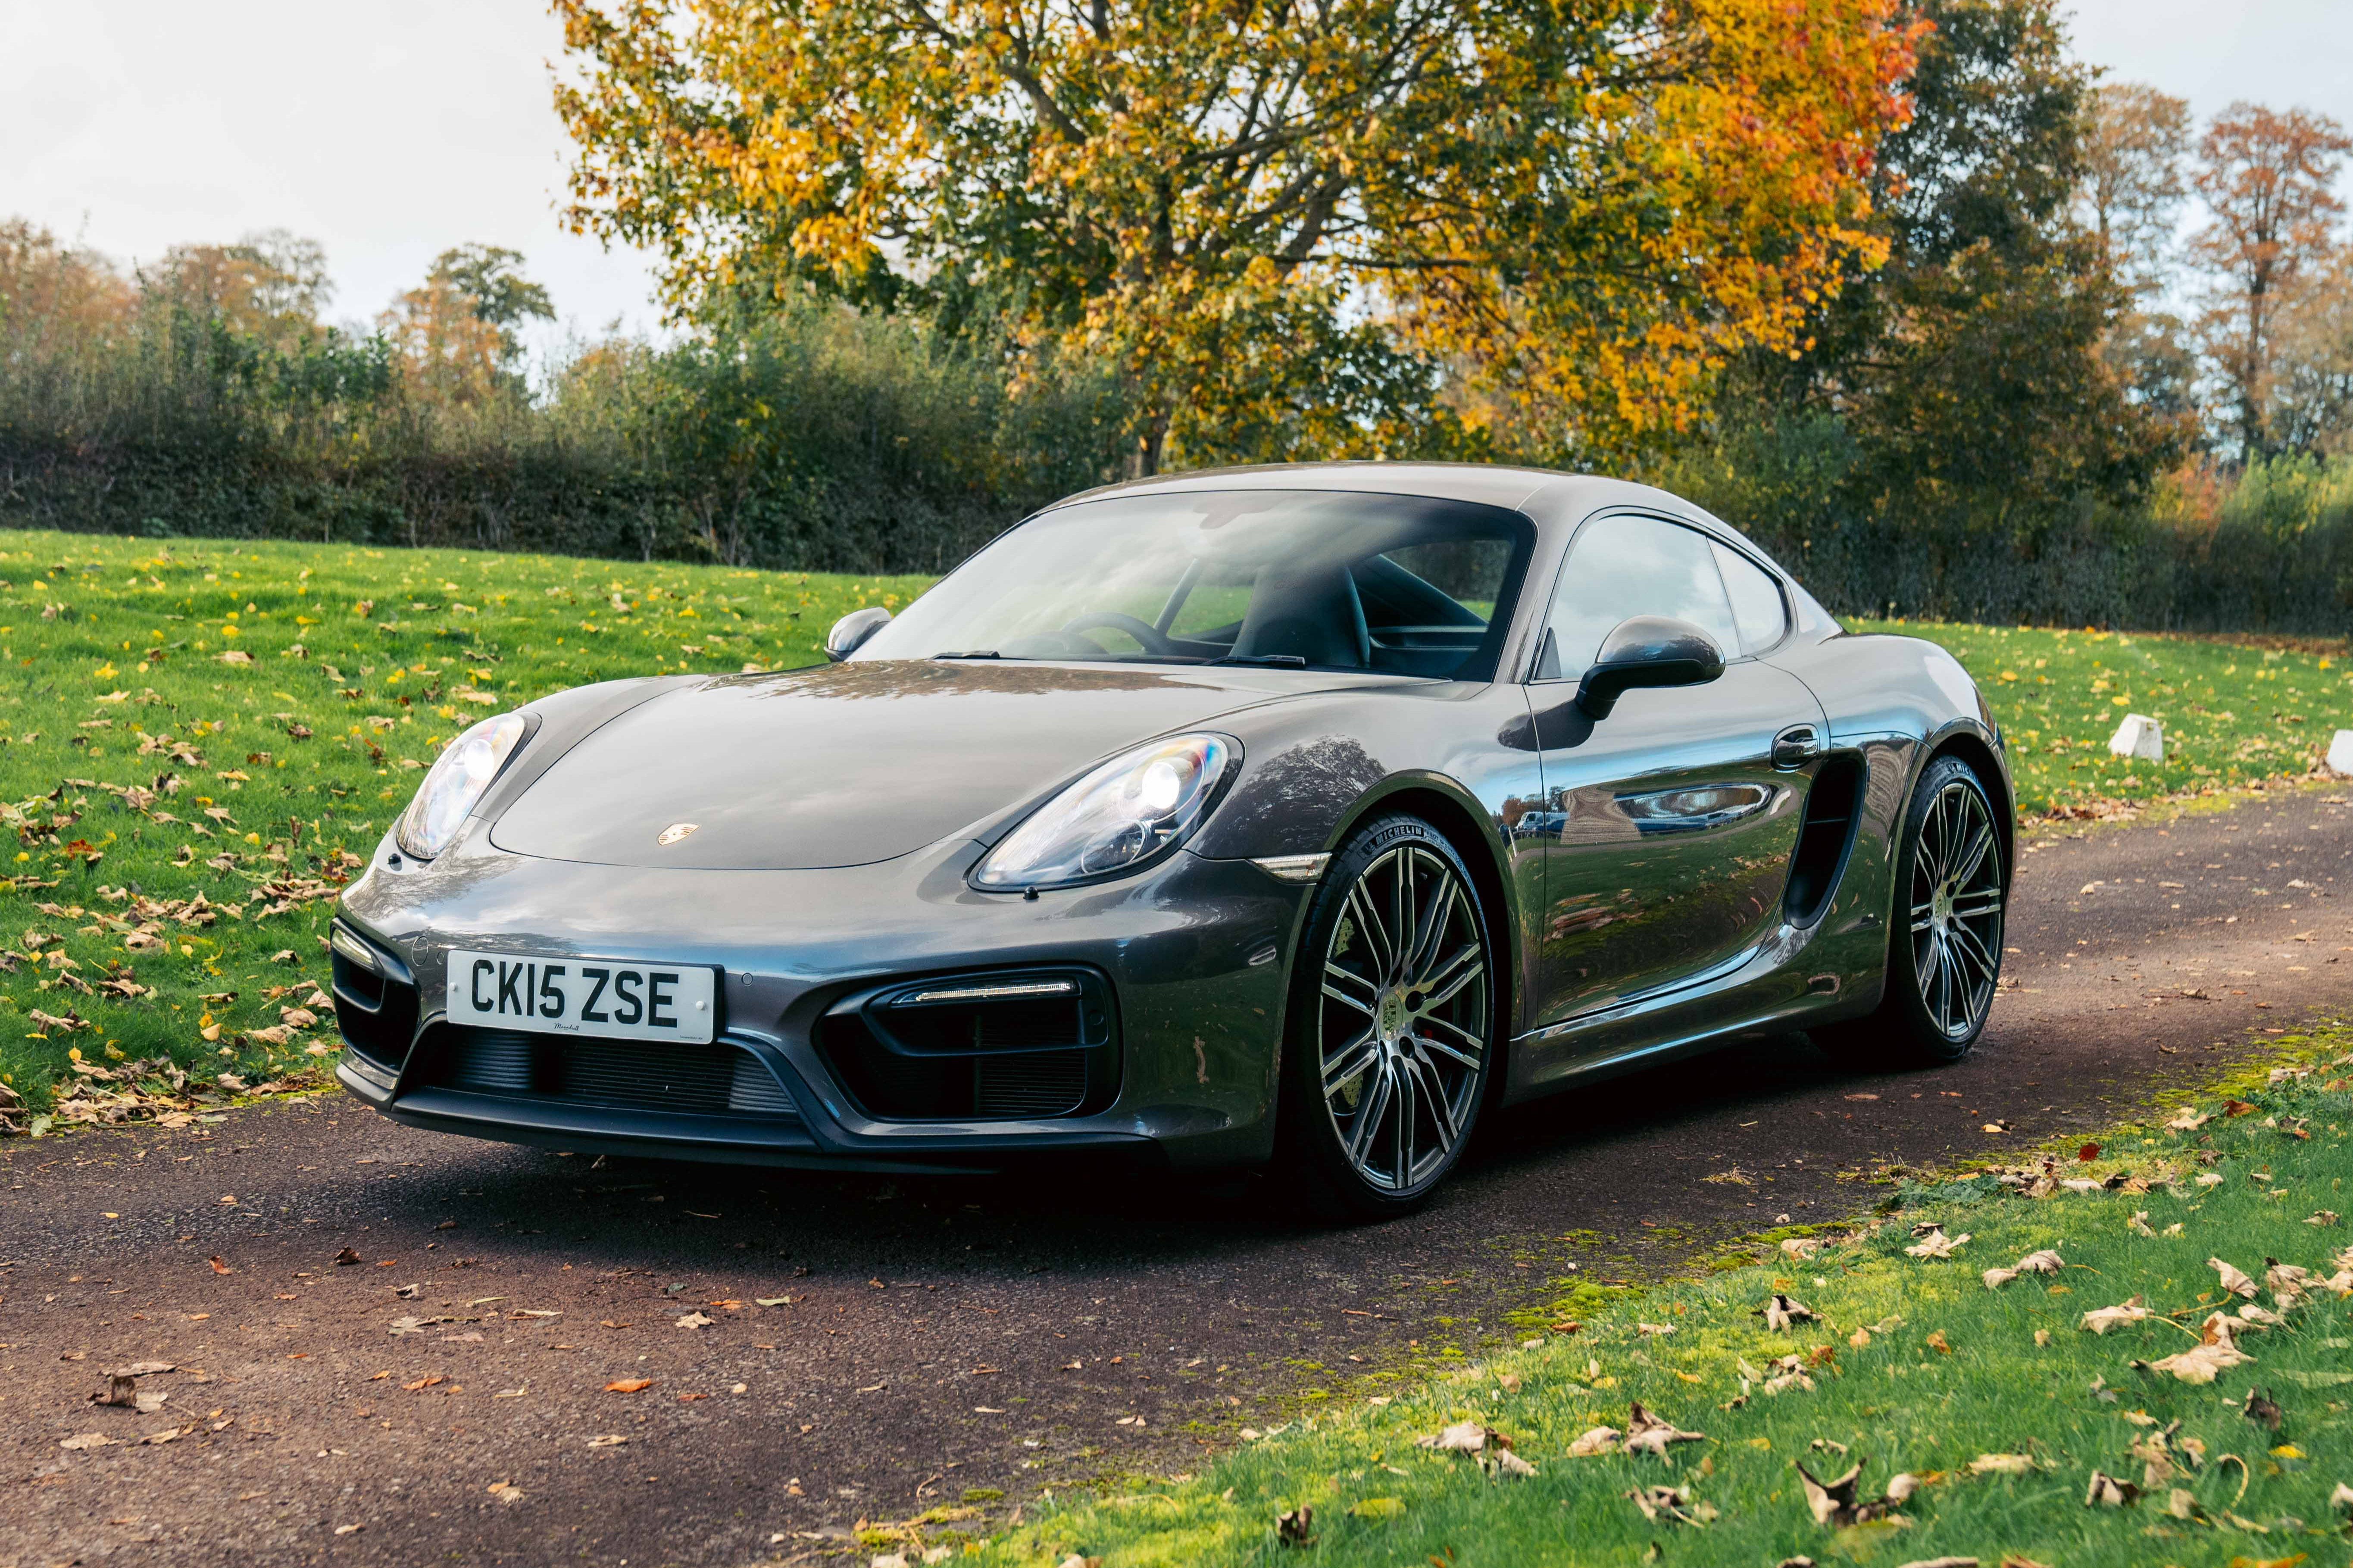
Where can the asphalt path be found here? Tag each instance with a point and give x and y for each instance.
(817, 1351)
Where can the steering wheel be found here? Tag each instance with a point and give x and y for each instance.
(1143, 631)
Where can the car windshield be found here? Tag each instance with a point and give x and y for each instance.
(1311, 579)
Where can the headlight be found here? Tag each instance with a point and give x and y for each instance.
(453, 786)
(1122, 814)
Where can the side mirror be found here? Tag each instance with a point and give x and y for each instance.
(1648, 650)
(853, 629)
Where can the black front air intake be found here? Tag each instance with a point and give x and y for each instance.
(375, 999)
(1017, 1045)
(717, 1079)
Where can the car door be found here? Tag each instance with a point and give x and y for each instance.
(1669, 824)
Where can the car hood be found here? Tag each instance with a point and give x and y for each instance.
(846, 765)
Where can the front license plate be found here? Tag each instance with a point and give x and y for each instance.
(585, 996)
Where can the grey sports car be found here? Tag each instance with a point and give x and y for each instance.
(1293, 814)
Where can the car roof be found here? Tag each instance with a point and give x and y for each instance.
(1544, 494)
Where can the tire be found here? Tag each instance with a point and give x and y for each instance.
(1944, 955)
(1391, 1047)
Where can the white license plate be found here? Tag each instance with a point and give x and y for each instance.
(595, 996)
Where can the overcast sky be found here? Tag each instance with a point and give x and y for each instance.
(391, 131)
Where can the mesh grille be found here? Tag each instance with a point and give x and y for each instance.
(1035, 1083)
(713, 1079)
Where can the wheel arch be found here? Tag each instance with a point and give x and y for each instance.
(1459, 819)
(1972, 748)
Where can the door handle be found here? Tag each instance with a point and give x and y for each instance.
(1797, 745)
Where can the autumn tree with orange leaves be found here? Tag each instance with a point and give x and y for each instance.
(2269, 182)
(1258, 214)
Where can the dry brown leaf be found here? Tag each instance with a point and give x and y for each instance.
(1935, 1243)
(1646, 1433)
(2106, 1491)
(1595, 1440)
(2102, 1319)
(629, 1386)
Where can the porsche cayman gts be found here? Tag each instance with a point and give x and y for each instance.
(1297, 816)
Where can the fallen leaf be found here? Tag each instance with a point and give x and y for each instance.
(2002, 1465)
(1670, 1503)
(219, 1266)
(607, 1440)
(1834, 1503)
(2233, 1282)
(1294, 1527)
(1463, 1438)
(1935, 1341)
(1935, 1243)
(695, 1320)
(2102, 1319)
(2213, 1354)
(1781, 1313)
(629, 1386)
(81, 1440)
(2106, 1491)
(348, 1257)
(505, 1492)
(1596, 1440)
(1646, 1433)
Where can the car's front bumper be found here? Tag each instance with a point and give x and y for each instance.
(1192, 951)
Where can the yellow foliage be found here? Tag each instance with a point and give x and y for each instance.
(1257, 213)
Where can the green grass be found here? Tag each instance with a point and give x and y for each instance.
(2233, 713)
(111, 675)
(1943, 1370)
(362, 663)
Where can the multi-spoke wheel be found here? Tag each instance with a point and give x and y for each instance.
(1945, 964)
(1956, 897)
(1393, 1024)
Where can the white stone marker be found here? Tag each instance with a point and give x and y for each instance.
(2139, 737)
(2340, 752)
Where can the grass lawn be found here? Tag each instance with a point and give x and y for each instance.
(1994, 1397)
(2233, 713)
(199, 740)
(237, 724)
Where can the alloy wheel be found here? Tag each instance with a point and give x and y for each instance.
(1957, 910)
(1404, 1019)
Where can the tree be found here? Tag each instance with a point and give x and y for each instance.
(2312, 378)
(54, 297)
(2130, 200)
(2133, 185)
(2268, 180)
(447, 352)
(1967, 372)
(503, 298)
(1581, 211)
(269, 286)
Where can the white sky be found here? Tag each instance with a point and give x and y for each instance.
(390, 132)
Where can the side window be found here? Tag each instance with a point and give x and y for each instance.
(1623, 566)
(1757, 607)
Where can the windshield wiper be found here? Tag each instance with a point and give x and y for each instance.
(972, 653)
(1270, 660)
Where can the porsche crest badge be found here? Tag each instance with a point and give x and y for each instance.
(674, 832)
